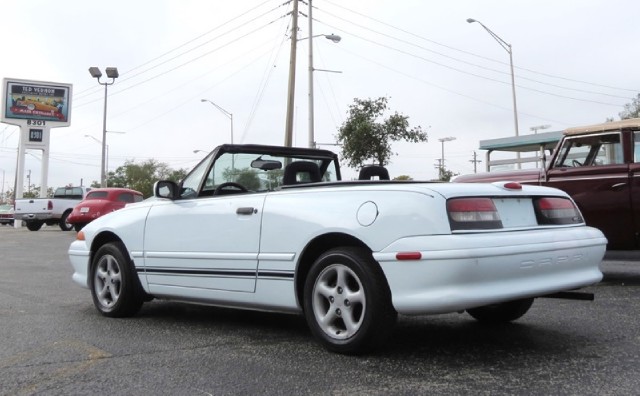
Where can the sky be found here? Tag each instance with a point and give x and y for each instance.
(575, 63)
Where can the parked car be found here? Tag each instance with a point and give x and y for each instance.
(6, 214)
(599, 167)
(99, 202)
(274, 228)
(35, 212)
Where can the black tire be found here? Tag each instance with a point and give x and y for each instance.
(503, 312)
(114, 285)
(78, 226)
(34, 225)
(64, 226)
(347, 286)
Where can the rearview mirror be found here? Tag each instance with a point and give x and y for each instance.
(266, 165)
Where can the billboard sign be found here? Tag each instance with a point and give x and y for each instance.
(36, 101)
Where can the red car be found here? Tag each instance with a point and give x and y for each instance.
(99, 202)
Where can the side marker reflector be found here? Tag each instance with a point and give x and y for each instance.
(408, 256)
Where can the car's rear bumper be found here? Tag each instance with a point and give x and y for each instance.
(463, 271)
(81, 218)
(34, 216)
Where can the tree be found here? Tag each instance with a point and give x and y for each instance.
(247, 177)
(366, 135)
(141, 177)
(631, 110)
(403, 177)
(445, 174)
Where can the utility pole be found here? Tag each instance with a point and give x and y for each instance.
(442, 141)
(288, 138)
(475, 161)
(438, 166)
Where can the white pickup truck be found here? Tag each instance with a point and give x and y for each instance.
(50, 211)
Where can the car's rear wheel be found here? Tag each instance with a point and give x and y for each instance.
(114, 285)
(34, 225)
(347, 302)
(64, 225)
(502, 312)
(78, 226)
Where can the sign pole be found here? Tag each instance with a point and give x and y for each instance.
(36, 107)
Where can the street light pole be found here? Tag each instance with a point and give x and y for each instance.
(335, 39)
(228, 114)
(507, 47)
(106, 180)
(112, 73)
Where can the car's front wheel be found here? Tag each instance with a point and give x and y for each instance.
(114, 285)
(502, 312)
(347, 302)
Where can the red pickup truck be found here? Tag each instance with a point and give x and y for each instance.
(599, 166)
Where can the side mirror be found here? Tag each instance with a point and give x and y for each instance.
(166, 189)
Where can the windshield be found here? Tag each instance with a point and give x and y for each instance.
(255, 172)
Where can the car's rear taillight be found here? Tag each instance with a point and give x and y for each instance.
(50, 205)
(472, 214)
(554, 210)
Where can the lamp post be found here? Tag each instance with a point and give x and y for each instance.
(106, 162)
(442, 140)
(538, 127)
(112, 73)
(335, 39)
(507, 47)
(224, 112)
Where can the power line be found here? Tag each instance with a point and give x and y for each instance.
(474, 54)
(447, 89)
(94, 89)
(467, 72)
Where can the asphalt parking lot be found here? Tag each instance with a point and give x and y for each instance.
(54, 342)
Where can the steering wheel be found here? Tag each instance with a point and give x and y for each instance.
(576, 163)
(224, 186)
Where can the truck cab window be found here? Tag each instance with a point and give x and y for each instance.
(591, 150)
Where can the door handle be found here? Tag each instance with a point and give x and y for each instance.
(618, 186)
(246, 211)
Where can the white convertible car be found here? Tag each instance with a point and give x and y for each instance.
(274, 228)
